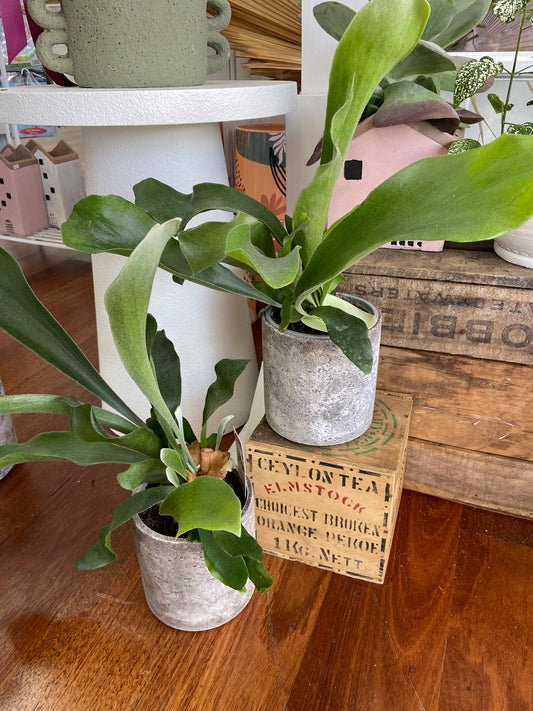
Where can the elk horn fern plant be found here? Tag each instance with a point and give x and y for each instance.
(185, 477)
(296, 266)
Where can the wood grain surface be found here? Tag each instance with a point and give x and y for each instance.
(457, 301)
(471, 431)
(451, 628)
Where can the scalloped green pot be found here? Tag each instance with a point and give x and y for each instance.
(133, 43)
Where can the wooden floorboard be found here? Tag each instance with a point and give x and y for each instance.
(450, 629)
(484, 622)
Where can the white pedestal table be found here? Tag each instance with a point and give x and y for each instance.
(172, 134)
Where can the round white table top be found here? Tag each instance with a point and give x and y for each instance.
(213, 101)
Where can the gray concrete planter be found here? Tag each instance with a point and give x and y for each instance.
(7, 434)
(179, 589)
(313, 394)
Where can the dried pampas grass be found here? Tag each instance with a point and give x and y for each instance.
(268, 35)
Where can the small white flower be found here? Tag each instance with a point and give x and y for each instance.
(507, 10)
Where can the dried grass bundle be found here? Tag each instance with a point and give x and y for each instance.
(268, 34)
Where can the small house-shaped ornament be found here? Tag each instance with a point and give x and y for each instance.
(377, 153)
(62, 179)
(22, 207)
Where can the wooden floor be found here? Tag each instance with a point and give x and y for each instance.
(451, 629)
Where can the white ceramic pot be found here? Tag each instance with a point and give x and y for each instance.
(517, 246)
(179, 589)
(313, 393)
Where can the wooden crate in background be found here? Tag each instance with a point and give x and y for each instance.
(332, 507)
(458, 337)
(457, 301)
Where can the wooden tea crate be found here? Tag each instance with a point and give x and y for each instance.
(465, 302)
(332, 507)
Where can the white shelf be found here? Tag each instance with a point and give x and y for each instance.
(211, 102)
(47, 238)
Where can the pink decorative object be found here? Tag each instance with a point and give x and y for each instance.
(14, 30)
(62, 179)
(377, 153)
(22, 206)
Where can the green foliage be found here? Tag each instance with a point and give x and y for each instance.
(406, 101)
(349, 334)
(242, 241)
(154, 453)
(148, 471)
(24, 317)
(352, 81)
(427, 65)
(473, 76)
(297, 267)
(239, 556)
(521, 129)
(122, 234)
(333, 17)
(57, 446)
(102, 553)
(206, 502)
(507, 10)
(166, 364)
(219, 392)
(246, 547)
(463, 145)
(465, 16)
(221, 564)
(126, 302)
(497, 104)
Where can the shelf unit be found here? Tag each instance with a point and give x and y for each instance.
(46, 238)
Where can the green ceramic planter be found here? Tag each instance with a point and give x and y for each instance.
(133, 43)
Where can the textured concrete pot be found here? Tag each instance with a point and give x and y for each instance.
(313, 394)
(179, 589)
(7, 434)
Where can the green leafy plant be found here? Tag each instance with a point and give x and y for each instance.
(164, 463)
(296, 266)
(412, 89)
(474, 73)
